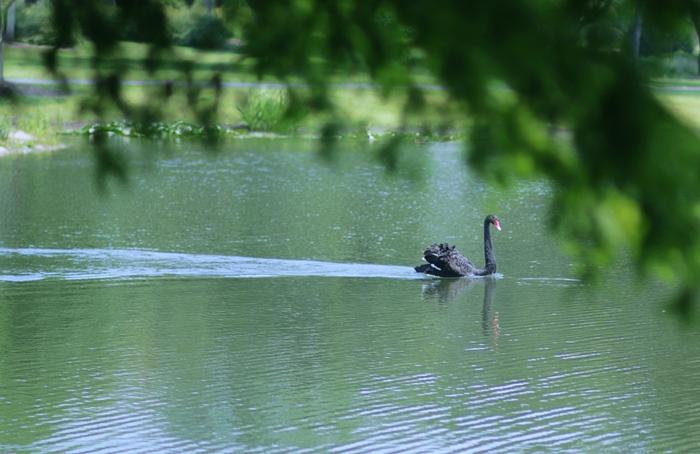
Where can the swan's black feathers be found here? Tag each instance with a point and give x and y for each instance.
(446, 261)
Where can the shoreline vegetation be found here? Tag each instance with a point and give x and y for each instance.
(45, 112)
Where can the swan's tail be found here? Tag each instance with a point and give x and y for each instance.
(440, 258)
(432, 270)
(424, 268)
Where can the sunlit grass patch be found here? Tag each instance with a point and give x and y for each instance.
(685, 105)
(266, 110)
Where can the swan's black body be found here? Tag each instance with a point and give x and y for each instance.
(446, 261)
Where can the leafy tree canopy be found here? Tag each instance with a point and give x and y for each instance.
(539, 93)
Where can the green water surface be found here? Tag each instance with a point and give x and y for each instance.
(262, 300)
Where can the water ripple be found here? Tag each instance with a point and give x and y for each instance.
(347, 366)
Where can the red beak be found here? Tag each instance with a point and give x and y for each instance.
(497, 224)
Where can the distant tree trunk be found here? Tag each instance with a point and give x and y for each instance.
(2, 41)
(5, 8)
(10, 27)
(637, 32)
(695, 18)
(210, 6)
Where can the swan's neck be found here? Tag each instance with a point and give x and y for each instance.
(489, 256)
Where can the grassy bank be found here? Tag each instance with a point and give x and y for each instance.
(131, 60)
(685, 104)
(25, 61)
(236, 106)
(45, 115)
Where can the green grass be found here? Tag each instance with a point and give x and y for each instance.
(27, 61)
(5, 128)
(265, 110)
(261, 110)
(685, 105)
(670, 83)
(358, 109)
(22, 61)
(47, 117)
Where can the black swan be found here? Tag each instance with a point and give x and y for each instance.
(446, 261)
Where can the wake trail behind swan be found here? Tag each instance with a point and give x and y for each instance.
(36, 264)
(33, 264)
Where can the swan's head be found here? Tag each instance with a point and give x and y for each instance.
(494, 220)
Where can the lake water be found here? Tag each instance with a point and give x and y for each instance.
(262, 300)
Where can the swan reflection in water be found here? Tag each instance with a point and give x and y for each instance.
(490, 321)
(446, 290)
